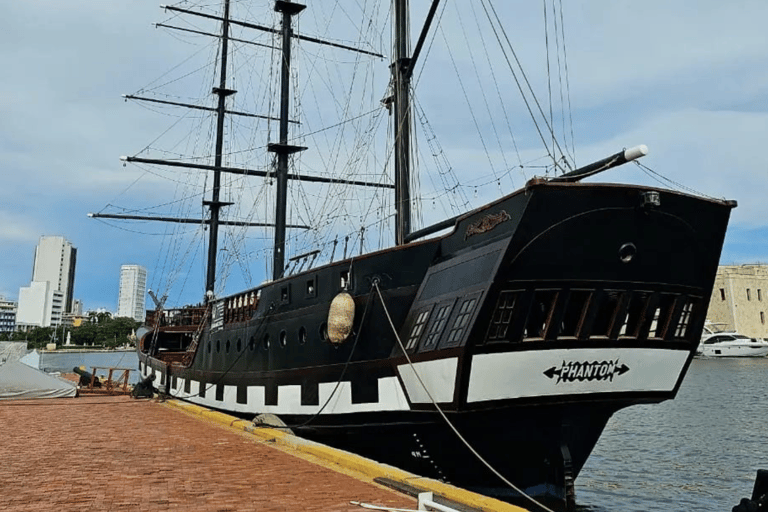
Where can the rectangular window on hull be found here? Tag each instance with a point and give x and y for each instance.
(722, 293)
(536, 315)
(506, 306)
(417, 329)
(438, 323)
(462, 320)
(540, 313)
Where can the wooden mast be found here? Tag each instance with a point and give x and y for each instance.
(401, 78)
(214, 204)
(282, 148)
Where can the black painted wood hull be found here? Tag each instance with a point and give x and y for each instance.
(530, 324)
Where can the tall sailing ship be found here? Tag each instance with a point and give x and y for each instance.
(523, 324)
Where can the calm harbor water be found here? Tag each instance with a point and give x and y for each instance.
(64, 361)
(698, 452)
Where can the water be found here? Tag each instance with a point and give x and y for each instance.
(57, 361)
(699, 452)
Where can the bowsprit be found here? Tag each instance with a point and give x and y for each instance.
(571, 371)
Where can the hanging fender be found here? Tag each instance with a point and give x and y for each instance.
(341, 316)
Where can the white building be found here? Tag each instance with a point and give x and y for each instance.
(133, 290)
(55, 260)
(39, 305)
(7, 315)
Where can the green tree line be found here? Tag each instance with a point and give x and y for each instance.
(107, 332)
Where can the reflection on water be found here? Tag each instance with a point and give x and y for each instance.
(700, 451)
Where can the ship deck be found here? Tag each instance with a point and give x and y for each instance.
(115, 453)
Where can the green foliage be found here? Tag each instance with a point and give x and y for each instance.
(107, 332)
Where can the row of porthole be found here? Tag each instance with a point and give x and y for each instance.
(266, 341)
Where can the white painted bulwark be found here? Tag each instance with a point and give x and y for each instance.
(338, 398)
(439, 377)
(538, 373)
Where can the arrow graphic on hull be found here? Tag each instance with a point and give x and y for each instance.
(572, 371)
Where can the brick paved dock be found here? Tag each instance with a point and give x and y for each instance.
(114, 453)
(105, 453)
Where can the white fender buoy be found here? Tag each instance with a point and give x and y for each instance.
(340, 318)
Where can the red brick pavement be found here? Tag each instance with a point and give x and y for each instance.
(105, 453)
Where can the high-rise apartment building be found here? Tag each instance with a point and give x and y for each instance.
(7, 315)
(40, 305)
(55, 260)
(49, 296)
(133, 289)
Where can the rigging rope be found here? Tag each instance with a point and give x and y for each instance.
(440, 410)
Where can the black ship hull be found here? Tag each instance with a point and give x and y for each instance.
(529, 324)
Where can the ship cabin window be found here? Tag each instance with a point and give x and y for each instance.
(266, 342)
(283, 338)
(417, 329)
(572, 321)
(209, 347)
(633, 318)
(438, 323)
(218, 346)
(302, 335)
(252, 344)
(507, 304)
(685, 317)
(344, 281)
(285, 294)
(722, 293)
(748, 295)
(227, 346)
(456, 333)
(239, 345)
(323, 331)
(311, 288)
(540, 314)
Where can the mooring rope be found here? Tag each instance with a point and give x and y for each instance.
(445, 418)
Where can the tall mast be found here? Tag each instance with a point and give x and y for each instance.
(214, 204)
(282, 148)
(401, 78)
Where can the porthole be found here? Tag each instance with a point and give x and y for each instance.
(218, 345)
(209, 347)
(266, 342)
(228, 345)
(252, 344)
(627, 252)
(239, 345)
(323, 331)
(283, 338)
(302, 335)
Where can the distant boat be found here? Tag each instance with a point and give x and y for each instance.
(717, 343)
(524, 323)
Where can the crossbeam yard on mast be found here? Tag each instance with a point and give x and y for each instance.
(181, 220)
(252, 172)
(271, 30)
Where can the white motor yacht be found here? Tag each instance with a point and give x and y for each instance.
(730, 344)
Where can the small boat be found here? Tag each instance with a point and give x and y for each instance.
(730, 344)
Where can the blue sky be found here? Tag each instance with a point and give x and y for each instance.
(687, 78)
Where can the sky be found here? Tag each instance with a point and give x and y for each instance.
(687, 78)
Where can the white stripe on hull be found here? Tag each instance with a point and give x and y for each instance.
(439, 376)
(391, 398)
(565, 372)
